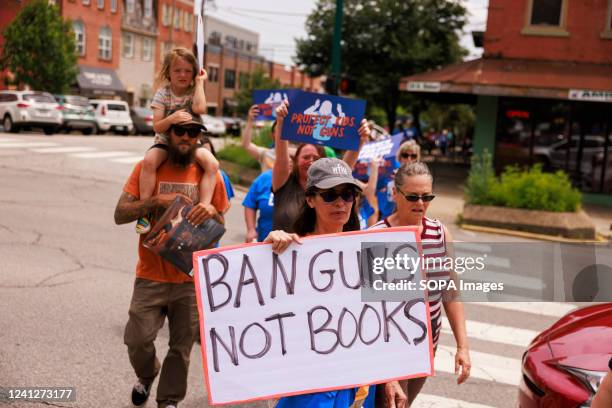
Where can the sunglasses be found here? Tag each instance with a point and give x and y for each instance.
(192, 132)
(413, 156)
(329, 196)
(413, 198)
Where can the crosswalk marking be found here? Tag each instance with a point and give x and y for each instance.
(485, 366)
(434, 401)
(3, 140)
(16, 145)
(129, 159)
(495, 333)
(101, 155)
(65, 149)
(552, 309)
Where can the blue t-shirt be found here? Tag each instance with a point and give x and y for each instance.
(365, 211)
(384, 193)
(260, 197)
(228, 185)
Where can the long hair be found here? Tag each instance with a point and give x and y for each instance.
(295, 169)
(163, 76)
(307, 219)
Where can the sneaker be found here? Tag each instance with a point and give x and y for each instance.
(140, 394)
(143, 225)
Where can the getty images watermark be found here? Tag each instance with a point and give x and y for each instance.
(481, 272)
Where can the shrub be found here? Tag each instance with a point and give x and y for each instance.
(236, 154)
(263, 137)
(530, 189)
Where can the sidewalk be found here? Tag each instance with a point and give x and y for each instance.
(449, 181)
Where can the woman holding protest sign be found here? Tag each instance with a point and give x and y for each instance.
(329, 207)
(289, 181)
(412, 193)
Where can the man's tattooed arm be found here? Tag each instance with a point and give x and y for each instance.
(129, 208)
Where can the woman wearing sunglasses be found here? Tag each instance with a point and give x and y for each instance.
(408, 152)
(329, 207)
(412, 193)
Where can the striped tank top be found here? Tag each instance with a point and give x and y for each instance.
(434, 246)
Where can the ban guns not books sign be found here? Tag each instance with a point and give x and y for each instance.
(283, 325)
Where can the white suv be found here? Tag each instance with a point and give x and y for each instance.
(29, 109)
(112, 115)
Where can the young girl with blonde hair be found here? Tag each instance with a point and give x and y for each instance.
(180, 91)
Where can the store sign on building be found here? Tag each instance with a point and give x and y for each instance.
(590, 95)
(420, 86)
(98, 78)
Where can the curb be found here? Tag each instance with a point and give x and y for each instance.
(542, 237)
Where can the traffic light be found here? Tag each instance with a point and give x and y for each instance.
(347, 85)
(330, 85)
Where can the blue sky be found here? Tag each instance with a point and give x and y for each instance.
(280, 22)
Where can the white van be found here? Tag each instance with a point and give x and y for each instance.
(112, 115)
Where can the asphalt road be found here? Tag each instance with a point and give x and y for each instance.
(67, 272)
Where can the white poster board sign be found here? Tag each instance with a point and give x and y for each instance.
(292, 324)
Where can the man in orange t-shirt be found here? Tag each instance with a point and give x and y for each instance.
(160, 289)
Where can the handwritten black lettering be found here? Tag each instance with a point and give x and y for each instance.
(422, 325)
(322, 328)
(343, 275)
(327, 271)
(289, 282)
(388, 319)
(281, 328)
(266, 347)
(246, 263)
(341, 326)
(211, 285)
(214, 338)
(365, 308)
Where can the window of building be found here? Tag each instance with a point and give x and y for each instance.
(177, 19)
(213, 73)
(86, 2)
(244, 80)
(241, 45)
(166, 47)
(165, 15)
(148, 8)
(249, 46)
(230, 79)
(231, 41)
(105, 41)
(129, 6)
(128, 45)
(546, 12)
(100, 4)
(188, 22)
(79, 33)
(147, 49)
(215, 38)
(113, 6)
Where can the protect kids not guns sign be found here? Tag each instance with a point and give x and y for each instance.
(277, 325)
(324, 119)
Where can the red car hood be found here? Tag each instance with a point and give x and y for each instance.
(583, 338)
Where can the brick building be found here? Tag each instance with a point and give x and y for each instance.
(543, 89)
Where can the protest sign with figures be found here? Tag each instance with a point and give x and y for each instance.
(324, 120)
(277, 325)
(267, 100)
(386, 149)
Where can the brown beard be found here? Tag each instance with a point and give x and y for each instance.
(176, 158)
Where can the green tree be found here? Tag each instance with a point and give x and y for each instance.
(383, 41)
(39, 48)
(259, 79)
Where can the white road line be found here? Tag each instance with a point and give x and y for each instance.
(16, 145)
(128, 159)
(101, 155)
(485, 366)
(434, 401)
(494, 333)
(4, 140)
(552, 309)
(65, 149)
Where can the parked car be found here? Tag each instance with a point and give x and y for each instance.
(554, 155)
(29, 109)
(214, 125)
(143, 120)
(112, 115)
(564, 364)
(77, 113)
(232, 125)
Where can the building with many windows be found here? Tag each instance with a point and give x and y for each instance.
(543, 89)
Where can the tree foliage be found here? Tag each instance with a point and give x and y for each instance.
(259, 80)
(39, 49)
(383, 41)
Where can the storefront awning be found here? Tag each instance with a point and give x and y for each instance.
(99, 80)
(513, 77)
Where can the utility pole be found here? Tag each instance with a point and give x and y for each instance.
(335, 71)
